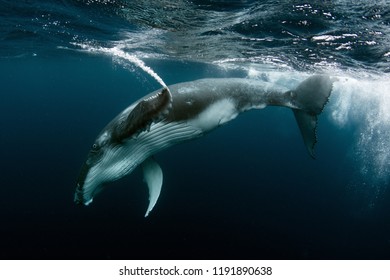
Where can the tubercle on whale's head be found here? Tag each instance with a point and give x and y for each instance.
(151, 109)
(86, 189)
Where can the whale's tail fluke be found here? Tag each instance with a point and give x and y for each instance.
(310, 98)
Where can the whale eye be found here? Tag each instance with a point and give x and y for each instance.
(95, 147)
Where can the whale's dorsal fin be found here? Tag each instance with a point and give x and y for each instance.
(151, 109)
(154, 178)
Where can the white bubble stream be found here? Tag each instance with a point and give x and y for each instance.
(119, 53)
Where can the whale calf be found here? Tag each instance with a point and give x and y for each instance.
(187, 111)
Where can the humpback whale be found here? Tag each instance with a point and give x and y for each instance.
(187, 111)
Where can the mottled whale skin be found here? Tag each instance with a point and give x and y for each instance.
(187, 111)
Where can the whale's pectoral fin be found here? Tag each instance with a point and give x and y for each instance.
(151, 109)
(310, 97)
(154, 178)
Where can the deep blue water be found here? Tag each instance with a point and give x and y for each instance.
(248, 190)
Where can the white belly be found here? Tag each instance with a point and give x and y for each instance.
(215, 115)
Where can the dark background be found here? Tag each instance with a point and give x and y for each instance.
(248, 190)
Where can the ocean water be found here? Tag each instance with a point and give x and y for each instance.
(248, 190)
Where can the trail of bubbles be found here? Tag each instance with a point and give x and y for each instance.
(365, 106)
(117, 52)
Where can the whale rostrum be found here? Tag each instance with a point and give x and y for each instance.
(187, 111)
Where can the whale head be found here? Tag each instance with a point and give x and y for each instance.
(119, 148)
